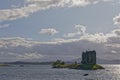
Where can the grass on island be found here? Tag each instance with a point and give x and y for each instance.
(61, 64)
(2, 65)
(89, 67)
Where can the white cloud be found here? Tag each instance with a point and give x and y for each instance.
(97, 38)
(113, 51)
(116, 20)
(12, 14)
(32, 6)
(113, 38)
(110, 38)
(116, 32)
(108, 0)
(49, 31)
(80, 30)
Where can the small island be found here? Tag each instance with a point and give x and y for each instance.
(88, 62)
(4, 65)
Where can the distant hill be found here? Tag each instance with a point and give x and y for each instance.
(23, 62)
(78, 60)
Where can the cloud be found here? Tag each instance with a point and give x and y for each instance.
(13, 14)
(21, 57)
(80, 30)
(14, 49)
(109, 38)
(32, 6)
(49, 31)
(68, 3)
(97, 37)
(70, 35)
(113, 51)
(81, 34)
(4, 25)
(116, 20)
(17, 48)
(29, 56)
(116, 32)
(114, 39)
(15, 41)
(58, 40)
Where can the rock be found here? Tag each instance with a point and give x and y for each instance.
(85, 75)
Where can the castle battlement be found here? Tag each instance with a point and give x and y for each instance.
(89, 57)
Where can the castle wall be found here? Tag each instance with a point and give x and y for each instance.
(89, 57)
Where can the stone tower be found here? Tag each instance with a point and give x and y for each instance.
(89, 57)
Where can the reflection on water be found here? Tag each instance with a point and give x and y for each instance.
(45, 72)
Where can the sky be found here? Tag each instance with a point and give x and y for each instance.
(46, 30)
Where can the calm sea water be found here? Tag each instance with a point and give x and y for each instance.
(45, 72)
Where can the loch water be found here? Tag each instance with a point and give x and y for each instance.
(46, 72)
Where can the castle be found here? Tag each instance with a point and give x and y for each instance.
(89, 57)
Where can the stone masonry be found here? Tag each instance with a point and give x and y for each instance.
(89, 57)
